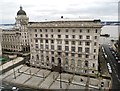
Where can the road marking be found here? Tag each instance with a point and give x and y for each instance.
(115, 64)
(119, 80)
(117, 75)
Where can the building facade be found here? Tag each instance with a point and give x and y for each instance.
(72, 44)
(16, 39)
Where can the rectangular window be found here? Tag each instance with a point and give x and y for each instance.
(66, 36)
(66, 30)
(87, 50)
(51, 36)
(73, 49)
(73, 30)
(46, 35)
(79, 55)
(59, 42)
(80, 30)
(41, 41)
(59, 36)
(66, 54)
(41, 35)
(36, 40)
(52, 52)
(59, 30)
(87, 37)
(80, 43)
(87, 43)
(59, 47)
(51, 30)
(80, 36)
(72, 54)
(96, 31)
(46, 41)
(73, 42)
(87, 56)
(66, 48)
(41, 46)
(52, 47)
(94, 50)
(95, 43)
(36, 45)
(46, 46)
(59, 53)
(66, 42)
(95, 37)
(52, 41)
(35, 30)
(73, 36)
(35, 35)
(79, 49)
(93, 65)
(88, 31)
(40, 30)
(45, 30)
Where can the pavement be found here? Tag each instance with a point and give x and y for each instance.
(45, 79)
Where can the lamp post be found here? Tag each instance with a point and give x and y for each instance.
(60, 77)
(14, 70)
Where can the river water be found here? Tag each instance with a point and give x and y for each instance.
(112, 30)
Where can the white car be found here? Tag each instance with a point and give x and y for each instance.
(119, 61)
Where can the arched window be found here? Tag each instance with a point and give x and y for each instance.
(79, 63)
(42, 58)
(37, 57)
(72, 61)
(47, 58)
(86, 63)
(53, 59)
(66, 60)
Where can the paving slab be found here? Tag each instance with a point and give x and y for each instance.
(73, 86)
(22, 78)
(24, 68)
(34, 82)
(43, 72)
(56, 85)
(32, 70)
(49, 80)
(77, 80)
(94, 82)
(65, 77)
(11, 77)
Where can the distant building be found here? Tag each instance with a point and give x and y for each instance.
(73, 44)
(16, 39)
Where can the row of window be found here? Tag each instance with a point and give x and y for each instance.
(66, 30)
(66, 61)
(59, 48)
(66, 42)
(66, 36)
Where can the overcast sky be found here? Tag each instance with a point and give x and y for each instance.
(38, 10)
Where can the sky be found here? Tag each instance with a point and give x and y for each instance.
(39, 10)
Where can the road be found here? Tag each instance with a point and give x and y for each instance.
(115, 68)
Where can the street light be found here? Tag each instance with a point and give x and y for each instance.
(14, 70)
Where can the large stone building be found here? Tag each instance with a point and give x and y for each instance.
(70, 44)
(16, 39)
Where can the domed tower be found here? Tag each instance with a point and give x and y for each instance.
(21, 26)
(21, 18)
